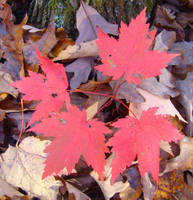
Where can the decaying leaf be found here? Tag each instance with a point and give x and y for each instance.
(81, 69)
(8, 189)
(84, 49)
(79, 195)
(63, 42)
(31, 29)
(89, 21)
(23, 167)
(166, 18)
(170, 185)
(186, 98)
(164, 88)
(148, 188)
(164, 105)
(92, 109)
(5, 88)
(127, 91)
(164, 40)
(107, 188)
(185, 160)
(11, 43)
(44, 45)
(185, 50)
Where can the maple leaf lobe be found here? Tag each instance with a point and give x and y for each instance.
(49, 89)
(130, 54)
(141, 138)
(73, 138)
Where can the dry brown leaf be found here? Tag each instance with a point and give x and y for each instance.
(44, 45)
(165, 18)
(92, 109)
(5, 88)
(164, 88)
(94, 102)
(84, 49)
(170, 184)
(63, 42)
(185, 50)
(11, 43)
(130, 194)
(91, 16)
(126, 91)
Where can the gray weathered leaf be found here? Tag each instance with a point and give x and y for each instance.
(185, 50)
(155, 87)
(127, 91)
(81, 69)
(186, 98)
(87, 23)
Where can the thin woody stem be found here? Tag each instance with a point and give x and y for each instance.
(102, 107)
(21, 131)
(120, 101)
(89, 92)
(114, 96)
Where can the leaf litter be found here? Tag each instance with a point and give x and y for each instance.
(167, 86)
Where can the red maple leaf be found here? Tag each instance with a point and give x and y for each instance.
(74, 136)
(130, 54)
(49, 89)
(142, 138)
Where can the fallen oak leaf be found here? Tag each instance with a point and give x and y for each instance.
(164, 105)
(108, 189)
(184, 160)
(8, 190)
(79, 195)
(87, 18)
(23, 167)
(141, 138)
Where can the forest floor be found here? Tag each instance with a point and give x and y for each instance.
(111, 120)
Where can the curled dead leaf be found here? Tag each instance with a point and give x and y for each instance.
(185, 159)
